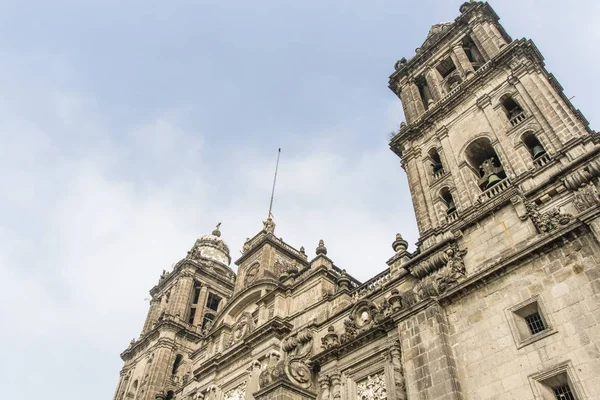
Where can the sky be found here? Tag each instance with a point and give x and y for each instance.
(130, 128)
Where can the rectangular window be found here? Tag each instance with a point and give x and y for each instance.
(557, 383)
(213, 301)
(535, 323)
(529, 322)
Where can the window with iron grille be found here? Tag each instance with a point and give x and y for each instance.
(556, 383)
(529, 322)
(563, 392)
(535, 323)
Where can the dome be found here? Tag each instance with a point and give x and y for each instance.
(212, 247)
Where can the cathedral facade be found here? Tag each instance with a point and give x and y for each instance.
(500, 300)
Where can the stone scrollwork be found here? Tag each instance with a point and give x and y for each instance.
(372, 388)
(437, 283)
(548, 221)
(298, 348)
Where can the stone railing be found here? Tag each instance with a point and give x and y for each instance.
(289, 248)
(438, 174)
(453, 216)
(542, 160)
(372, 284)
(517, 119)
(494, 190)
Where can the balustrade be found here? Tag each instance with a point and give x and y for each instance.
(495, 190)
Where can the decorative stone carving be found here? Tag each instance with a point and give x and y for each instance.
(449, 275)
(399, 245)
(395, 300)
(586, 197)
(372, 388)
(242, 328)
(269, 225)
(363, 316)
(548, 221)
(271, 373)
(321, 249)
(297, 348)
(331, 339)
(238, 393)
(343, 280)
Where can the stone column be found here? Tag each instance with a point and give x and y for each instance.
(324, 386)
(424, 336)
(180, 295)
(160, 371)
(336, 385)
(415, 182)
(465, 192)
(394, 374)
(434, 81)
(412, 102)
(462, 61)
(488, 38)
(153, 314)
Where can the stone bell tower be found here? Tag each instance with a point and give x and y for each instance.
(184, 303)
(487, 127)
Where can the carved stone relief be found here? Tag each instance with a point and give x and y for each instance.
(372, 388)
(586, 197)
(236, 394)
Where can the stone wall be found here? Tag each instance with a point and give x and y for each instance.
(492, 364)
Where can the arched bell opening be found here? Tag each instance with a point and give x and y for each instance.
(511, 108)
(485, 163)
(448, 200)
(436, 162)
(170, 395)
(535, 147)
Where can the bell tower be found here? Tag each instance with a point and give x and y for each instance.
(487, 129)
(184, 303)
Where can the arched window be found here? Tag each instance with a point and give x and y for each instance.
(536, 149)
(514, 112)
(177, 364)
(437, 168)
(533, 145)
(448, 200)
(484, 161)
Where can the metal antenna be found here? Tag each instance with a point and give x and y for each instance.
(274, 180)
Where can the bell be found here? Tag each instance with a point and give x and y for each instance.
(451, 207)
(538, 151)
(492, 180)
(436, 167)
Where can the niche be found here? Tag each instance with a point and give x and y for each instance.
(484, 162)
